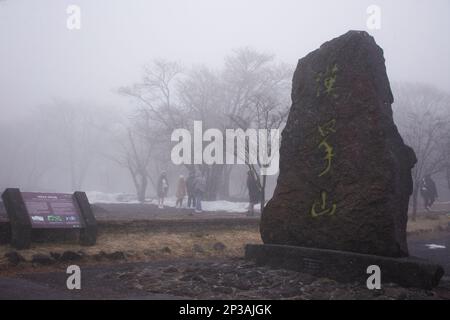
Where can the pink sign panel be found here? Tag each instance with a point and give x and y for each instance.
(52, 210)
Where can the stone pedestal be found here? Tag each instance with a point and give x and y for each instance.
(18, 218)
(88, 234)
(347, 266)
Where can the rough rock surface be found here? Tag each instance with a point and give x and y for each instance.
(345, 172)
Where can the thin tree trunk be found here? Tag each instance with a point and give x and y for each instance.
(415, 200)
(448, 176)
(213, 181)
(142, 188)
(263, 193)
(224, 192)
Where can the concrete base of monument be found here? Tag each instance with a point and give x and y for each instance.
(346, 266)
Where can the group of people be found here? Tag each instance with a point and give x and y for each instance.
(194, 187)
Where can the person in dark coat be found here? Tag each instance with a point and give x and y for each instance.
(162, 189)
(199, 191)
(428, 191)
(190, 189)
(253, 192)
(181, 191)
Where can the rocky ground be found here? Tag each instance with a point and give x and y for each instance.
(132, 246)
(231, 278)
(239, 279)
(136, 260)
(212, 272)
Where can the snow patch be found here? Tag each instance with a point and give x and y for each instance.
(219, 205)
(433, 246)
(102, 197)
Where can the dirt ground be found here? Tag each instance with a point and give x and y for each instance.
(130, 241)
(218, 279)
(199, 257)
(429, 222)
(140, 246)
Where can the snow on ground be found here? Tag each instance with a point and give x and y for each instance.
(435, 246)
(219, 205)
(102, 197)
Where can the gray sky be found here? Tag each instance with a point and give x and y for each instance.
(41, 59)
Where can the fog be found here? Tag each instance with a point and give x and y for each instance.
(44, 65)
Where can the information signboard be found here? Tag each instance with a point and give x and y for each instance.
(52, 210)
(48, 212)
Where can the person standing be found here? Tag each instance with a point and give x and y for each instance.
(163, 188)
(181, 191)
(190, 188)
(428, 191)
(253, 192)
(199, 191)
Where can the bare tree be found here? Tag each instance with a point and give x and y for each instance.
(446, 152)
(157, 116)
(138, 150)
(156, 93)
(251, 91)
(263, 103)
(447, 175)
(10, 142)
(423, 117)
(75, 136)
(241, 90)
(36, 145)
(201, 98)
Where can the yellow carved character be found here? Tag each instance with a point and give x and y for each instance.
(329, 154)
(324, 131)
(323, 207)
(328, 82)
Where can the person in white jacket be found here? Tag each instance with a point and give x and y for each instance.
(163, 187)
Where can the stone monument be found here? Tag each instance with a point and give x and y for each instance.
(345, 172)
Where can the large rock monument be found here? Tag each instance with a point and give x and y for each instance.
(341, 202)
(345, 172)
